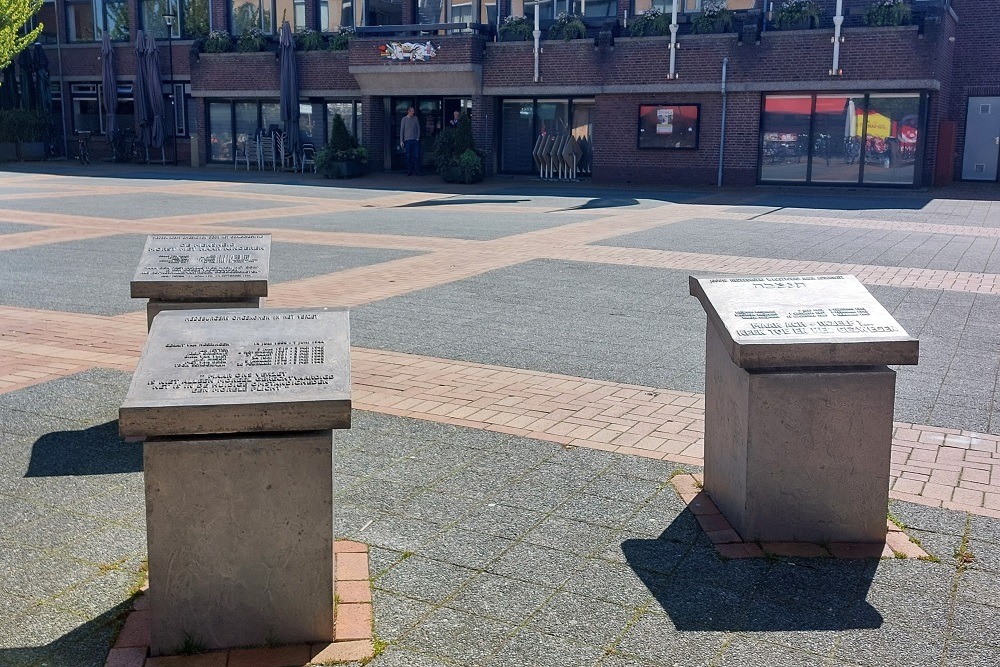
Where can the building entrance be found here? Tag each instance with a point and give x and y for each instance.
(982, 137)
(435, 114)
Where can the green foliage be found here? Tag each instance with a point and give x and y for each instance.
(117, 14)
(309, 40)
(650, 23)
(22, 125)
(251, 41)
(567, 27)
(218, 41)
(794, 14)
(340, 138)
(714, 21)
(343, 147)
(341, 40)
(516, 29)
(888, 13)
(455, 155)
(13, 15)
(195, 19)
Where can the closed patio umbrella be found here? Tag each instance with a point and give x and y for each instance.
(289, 87)
(110, 86)
(155, 88)
(140, 92)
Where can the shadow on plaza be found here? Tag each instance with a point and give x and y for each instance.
(97, 450)
(87, 644)
(703, 592)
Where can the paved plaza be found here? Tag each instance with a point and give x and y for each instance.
(528, 376)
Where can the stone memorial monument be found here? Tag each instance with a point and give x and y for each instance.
(237, 407)
(202, 271)
(799, 405)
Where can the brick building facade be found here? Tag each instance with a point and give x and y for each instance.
(893, 112)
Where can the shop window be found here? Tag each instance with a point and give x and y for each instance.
(596, 8)
(86, 20)
(337, 14)
(220, 128)
(267, 15)
(191, 23)
(837, 131)
(785, 137)
(891, 127)
(841, 138)
(383, 12)
(524, 121)
(350, 111)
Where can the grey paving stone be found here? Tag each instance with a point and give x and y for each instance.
(582, 619)
(574, 537)
(399, 533)
(610, 582)
(618, 487)
(747, 651)
(596, 510)
(139, 205)
(466, 548)
(655, 638)
(928, 519)
(435, 507)
(42, 580)
(449, 633)
(533, 648)
(976, 624)
(398, 657)
(500, 520)
(395, 614)
(987, 556)
(424, 579)
(501, 598)
(968, 654)
(536, 564)
(109, 545)
(984, 528)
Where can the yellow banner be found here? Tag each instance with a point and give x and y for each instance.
(878, 125)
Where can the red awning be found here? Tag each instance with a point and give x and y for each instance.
(803, 105)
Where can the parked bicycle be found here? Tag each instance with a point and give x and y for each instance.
(83, 147)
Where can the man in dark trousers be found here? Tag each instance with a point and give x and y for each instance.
(409, 139)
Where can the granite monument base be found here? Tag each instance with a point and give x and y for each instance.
(156, 306)
(798, 455)
(240, 539)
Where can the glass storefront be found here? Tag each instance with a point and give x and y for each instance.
(522, 121)
(848, 138)
(231, 122)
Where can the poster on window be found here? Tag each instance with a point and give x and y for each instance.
(668, 126)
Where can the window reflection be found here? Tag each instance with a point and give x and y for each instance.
(837, 138)
(891, 138)
(785, 137)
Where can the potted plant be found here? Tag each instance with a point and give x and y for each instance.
(715, 17)
(342, 157)
(342, 39)
(797, 15)
(516, 29)
(888, 13)
(218, 41)
(309, 40)
(567, 27)
(651, 22)
(455, 155)
(251, 41)
(22, 135)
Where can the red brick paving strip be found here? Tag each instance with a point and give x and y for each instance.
(353, 639)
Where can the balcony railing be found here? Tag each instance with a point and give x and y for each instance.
(419, 29)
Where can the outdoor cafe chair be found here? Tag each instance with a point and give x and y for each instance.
(308, 157)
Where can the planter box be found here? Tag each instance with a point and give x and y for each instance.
(8, 153)
(33, 150)
(346, 169)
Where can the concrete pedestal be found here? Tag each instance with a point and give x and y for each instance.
(240, 538)
(798, 456)
(156, 306)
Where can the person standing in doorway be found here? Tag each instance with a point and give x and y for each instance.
(409, 139)
(455, 118)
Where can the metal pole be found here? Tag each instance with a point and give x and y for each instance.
(537, 34)
(673, 41)
(722, 134)
(838, 21)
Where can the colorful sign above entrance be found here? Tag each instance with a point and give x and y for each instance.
(412, 51)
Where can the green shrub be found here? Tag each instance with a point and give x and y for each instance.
(567, 27)
(516, 28)
(218, 41)
(794, 14)
(455, 154)
(251, 41)
(342, 147)
(21, 125)
(714, 18)
(888, 13)
(309, 40)
(650, 23)
(341, 40)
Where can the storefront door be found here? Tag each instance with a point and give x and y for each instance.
(433, 113)
(982, 139)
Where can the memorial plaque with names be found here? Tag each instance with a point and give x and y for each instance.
(241, 371)
(796, 321)
(182, 268)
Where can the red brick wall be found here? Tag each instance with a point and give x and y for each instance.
(318, 70)
(975, 64)
(618, 159)
(451, 50)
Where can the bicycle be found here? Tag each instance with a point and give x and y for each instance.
(83, 147)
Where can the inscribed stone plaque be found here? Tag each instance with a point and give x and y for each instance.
(789, 321)
(240, 371)
(205, 266)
